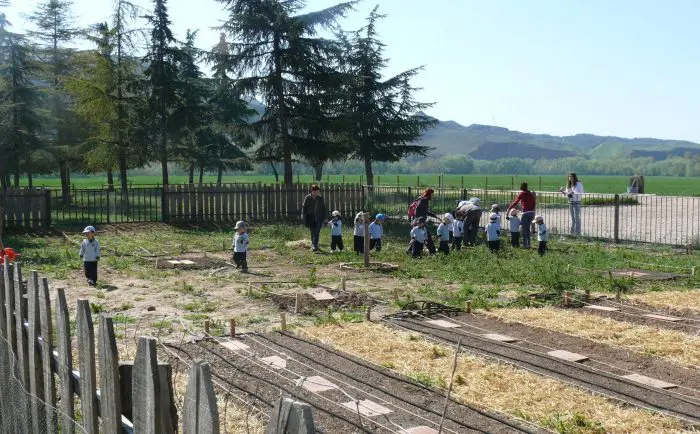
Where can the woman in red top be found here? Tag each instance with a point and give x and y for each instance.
(527, 202)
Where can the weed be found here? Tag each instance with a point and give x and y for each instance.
(426, 380)
(199, 307)
(123, 319)
(460, 380)
(97, 308)
(388, 365)
(438, 353)
(126, 305)
(196, 316)
(258, 319)
(100, 294)
(575, 423)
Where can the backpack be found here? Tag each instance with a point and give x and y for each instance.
(412, 209)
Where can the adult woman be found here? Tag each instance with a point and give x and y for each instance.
(574, 191)
(527, 202)
(314, 214)
(470, 213)
(423, 211)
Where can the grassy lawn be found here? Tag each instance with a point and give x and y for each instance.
(662, 185)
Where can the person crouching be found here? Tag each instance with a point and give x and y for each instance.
(240, 247)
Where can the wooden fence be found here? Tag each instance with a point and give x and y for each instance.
(26, 208)
(36, 368)
(254, 202)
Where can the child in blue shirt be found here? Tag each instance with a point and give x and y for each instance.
(336, 225)
(493, 233)
(376, 231)
(443, 233)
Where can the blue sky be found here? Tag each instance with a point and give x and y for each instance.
(618, 67)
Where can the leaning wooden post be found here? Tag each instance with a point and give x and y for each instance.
(20, 314)
(283, 320)
(200, 412)
(110, 397)
(86, 361)
(206, 329)
(146, 389)
(567, 299)
(46, 326)
(365, 219)
(449, 389)
(469, 306)
(65, 362)
(587, 296)
(232, 328)
(36, 377)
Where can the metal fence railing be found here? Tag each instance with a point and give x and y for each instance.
(100, 206)
(671, 220)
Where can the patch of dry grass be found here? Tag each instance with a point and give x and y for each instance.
(676, 346)
(676, 300)
(518, 393)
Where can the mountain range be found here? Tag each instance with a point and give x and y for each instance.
(486, 142)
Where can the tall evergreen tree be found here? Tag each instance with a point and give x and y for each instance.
(54, 30)
(383, 118)
(276, 48)
(162, 79)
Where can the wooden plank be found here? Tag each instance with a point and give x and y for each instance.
(146, 389)
(443, 323)
(3, 304)
(88, 373)
(217, 204)
(200, 412)
(126, 379)
(27, 209)
(653, 382)
(36, 204)
(225, 216)
(603, 308)
(167, 398)
(200, 203)
(663, 317)
(185, 203)
(245, 208)
(46, 353)
(20, 314)
(110, 398)
(499, 338)
(65, 363)
(180, 198)
(36, 377)
(568, 356)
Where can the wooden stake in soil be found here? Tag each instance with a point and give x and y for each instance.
(618, 297)
(587, 296)
(567, 299)
(469, 306)
(396, 295)
(449, 389)
(232, 328)
(342, 283)
(206, 329)
(368, 314)
(283, 320)
(250, 288)
(296, 304)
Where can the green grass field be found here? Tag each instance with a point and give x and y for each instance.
(662, 185)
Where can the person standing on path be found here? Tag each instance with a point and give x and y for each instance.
(574, 191)
(314, 214)
(528, 202)
(422, 212)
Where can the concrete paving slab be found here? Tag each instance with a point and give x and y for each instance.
(499, 338)
(567, 355)
(653, 382)
(367, 408)
(443, 323)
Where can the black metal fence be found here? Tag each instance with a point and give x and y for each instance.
(101, 206)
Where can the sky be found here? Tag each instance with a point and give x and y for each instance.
(628, 68)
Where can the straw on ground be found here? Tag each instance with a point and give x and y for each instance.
(676, 300)
(479, 382)
(672, 345)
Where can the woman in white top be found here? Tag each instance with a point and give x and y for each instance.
(574, 191)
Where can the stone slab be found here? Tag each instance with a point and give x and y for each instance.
(234, 345)
(174, 261)
(567, 355)
(317, 384)
(653, 382)
(321, 294)
(367, 408)
(443, 323)
(499, 338)
(421, 430)
(605, 308)
(276, 362)
(663, 317)
(186, 262)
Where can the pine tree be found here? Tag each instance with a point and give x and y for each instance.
(162, 79)
(383, 118)
(276, 48)
(55, 29)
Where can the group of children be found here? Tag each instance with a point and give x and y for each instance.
(450, 234)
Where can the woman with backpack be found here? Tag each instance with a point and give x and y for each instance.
(421, 209)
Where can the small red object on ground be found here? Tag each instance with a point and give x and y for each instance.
(8, 253)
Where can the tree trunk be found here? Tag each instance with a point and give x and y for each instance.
(123, 175)
(17, 178)
(282, 112)
(3, 182)
(30, 179)
(191, 173)
(110, 180)
(368, 173)
(201, 175)
(318, 172)
(220, 175)
(274, 170)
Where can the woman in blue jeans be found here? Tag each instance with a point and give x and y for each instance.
(574, 192)
(528, 202)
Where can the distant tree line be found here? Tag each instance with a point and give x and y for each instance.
(139, 96)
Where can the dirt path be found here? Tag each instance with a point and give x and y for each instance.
(411, 405)
(674, 402)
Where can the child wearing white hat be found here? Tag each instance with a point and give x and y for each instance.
(542, 235)
(336, 225)
(240, 246)
(493, 233)
(90, 254)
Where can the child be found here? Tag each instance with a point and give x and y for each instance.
(418, 238)
(493, 233)
(496, 209)
(336, 226)
(514, 221)
(450, 221)
(240, 247)
(458, 233)
(90, 254)
(376, 231)
(359, 234)
(443, 233)
(541, 235)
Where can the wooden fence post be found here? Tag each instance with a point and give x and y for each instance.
(36, 378)
(10, 307)
(168, 411)
(86, 362)
(46, 352)
(65, 362)
(110, 398)
(22, 341)
(365, 219)
(200, 413)
(146, 389)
